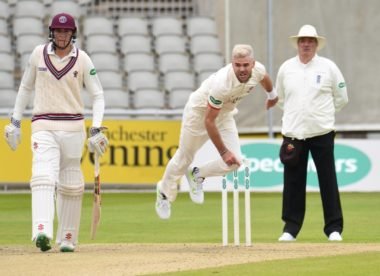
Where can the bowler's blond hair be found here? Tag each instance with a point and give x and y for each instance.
(242, 50)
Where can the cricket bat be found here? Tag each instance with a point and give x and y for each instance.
(96, 206)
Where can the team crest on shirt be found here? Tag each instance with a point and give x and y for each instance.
(75, 74)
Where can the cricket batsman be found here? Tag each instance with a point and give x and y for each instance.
(57, 72)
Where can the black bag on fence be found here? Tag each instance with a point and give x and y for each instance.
(290, 151)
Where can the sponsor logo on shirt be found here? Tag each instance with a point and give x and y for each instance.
(341, 85)
(93, 72)
(42, 69)
(215, 101)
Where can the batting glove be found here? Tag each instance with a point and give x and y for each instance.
(97, 142)
(12, 133)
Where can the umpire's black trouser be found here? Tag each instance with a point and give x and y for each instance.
(294, 194)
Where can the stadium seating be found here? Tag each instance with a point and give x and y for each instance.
(207, 62)
(178, 98)
(7, 100)
(6, 80)
(27, 42)
(28, 25)
(97, 25)
(135, 43)
(132, 26)
(170, 43)
(204, 43)
(173, 61)
(4, 10)
(111, 79)
(67, 6)
(116, 99)
(142, 79)
(3, 27)
(106, 61)
(201, 26)
(149, 98)
(132, 51)
(148, 102)
(96, 43)
(7, 62)
(166, 25)
(30, 8)
(138, 62)
(5, 44)
(179, 79)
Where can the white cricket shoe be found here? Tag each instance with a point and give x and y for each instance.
(335, 236)
(286, 237)
(162, 204)
(195, 185)
(66, 246)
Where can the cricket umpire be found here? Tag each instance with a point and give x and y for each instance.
(311, 89)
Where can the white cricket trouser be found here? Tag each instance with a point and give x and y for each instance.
(193, 136)
(54, 153)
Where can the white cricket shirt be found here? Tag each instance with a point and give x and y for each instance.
(309, 95)
(58, 83)
(222, 90)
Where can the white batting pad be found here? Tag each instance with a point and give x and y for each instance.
(69, 205)
(42, 206)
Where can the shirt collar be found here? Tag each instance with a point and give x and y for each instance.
(315, 57)
(73, 52)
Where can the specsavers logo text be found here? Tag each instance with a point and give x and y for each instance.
(267, 170)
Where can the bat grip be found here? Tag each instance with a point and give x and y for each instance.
(96, 164)
(97, 172)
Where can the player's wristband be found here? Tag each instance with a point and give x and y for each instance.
(272, 94)
(94, 131)
(15, 122)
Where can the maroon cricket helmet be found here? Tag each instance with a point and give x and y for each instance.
(63, 21)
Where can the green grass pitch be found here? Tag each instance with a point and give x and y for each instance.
(131, 218)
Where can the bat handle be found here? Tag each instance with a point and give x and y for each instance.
(96, 163)
(97, 172)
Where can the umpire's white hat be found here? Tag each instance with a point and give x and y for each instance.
(308, 31)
